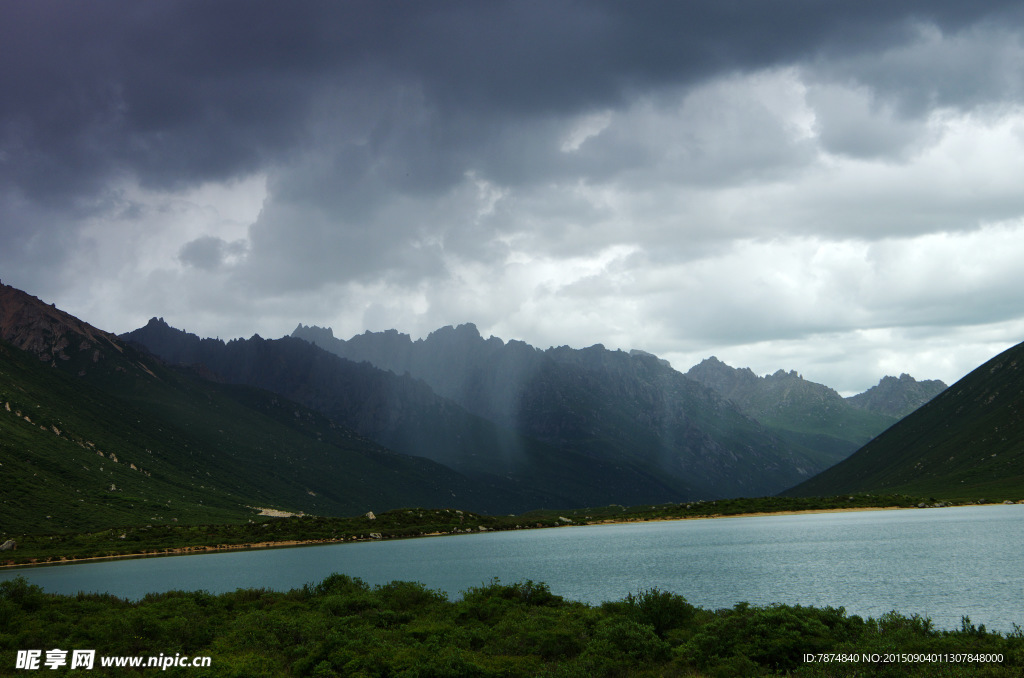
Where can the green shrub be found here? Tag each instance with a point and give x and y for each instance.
(661, 610)
(627, 642)
(776, 636)
(339, 584)
(28, 597)
(527, 592)
(404, 596)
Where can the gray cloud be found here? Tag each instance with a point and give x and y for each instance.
(189, 91)
(554, 170)
(210, 253)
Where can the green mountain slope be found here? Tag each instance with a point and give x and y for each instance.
(94, 434)
(967, 443)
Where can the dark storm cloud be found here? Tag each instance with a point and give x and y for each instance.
(180, 92)
(395, 138)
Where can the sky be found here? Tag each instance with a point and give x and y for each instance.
(828, 187)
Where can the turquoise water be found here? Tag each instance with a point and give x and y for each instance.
(940, 563)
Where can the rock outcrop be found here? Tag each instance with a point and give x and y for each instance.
(49, 333)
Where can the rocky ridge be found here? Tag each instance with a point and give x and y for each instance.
(45, 331)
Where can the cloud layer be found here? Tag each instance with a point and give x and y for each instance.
(827, 187)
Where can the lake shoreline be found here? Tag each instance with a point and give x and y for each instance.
(294, 543)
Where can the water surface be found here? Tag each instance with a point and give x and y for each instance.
(940, 563)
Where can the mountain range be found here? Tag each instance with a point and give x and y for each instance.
(95, 432)
(588, 426)
(535, 391)
(813, 414)
(623, 402)
(159, 425)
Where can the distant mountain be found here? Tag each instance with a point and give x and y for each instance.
(897, 397)
(96, 434)
(814, 414)
(405, 415)
(968, 442)
(611, 406)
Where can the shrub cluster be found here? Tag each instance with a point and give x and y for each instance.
(344, 627)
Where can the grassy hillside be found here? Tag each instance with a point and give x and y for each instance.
(133, 442)
(966, 443)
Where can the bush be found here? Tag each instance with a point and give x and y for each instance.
(661, 610)
(28, 597)
(621, 644)
(526, 592)
(339, 584)
(403, 596)
(775, 636)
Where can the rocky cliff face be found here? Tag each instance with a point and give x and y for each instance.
(49, 333)
(810, 413)
(763, 397)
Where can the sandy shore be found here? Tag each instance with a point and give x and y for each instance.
(180, 551)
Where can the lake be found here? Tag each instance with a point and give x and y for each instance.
(940, 563)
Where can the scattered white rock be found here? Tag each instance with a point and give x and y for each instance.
(275, 513)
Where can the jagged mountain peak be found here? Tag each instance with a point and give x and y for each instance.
(814, 413)
(465, 335)
(897, 397)
(463, 329)
(326, 331)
